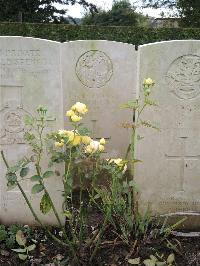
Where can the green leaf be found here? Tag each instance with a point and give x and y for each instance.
(160, 263)
(22, 256)
(12, 180)
(31, 247)
(37, 188)
(20, 238)
(130, 105)
(36, 178)
(134, 261)
(171, 258)
(45, 204)
(24, 171)
(48, 174)
(149, 262)
(28, 120)
(19, 250)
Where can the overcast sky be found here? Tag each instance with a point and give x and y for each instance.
(78, 11)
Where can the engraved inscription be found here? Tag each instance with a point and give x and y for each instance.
(183, 76)
(94, 69)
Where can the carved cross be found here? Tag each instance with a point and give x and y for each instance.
(94, 132)
(182, 159)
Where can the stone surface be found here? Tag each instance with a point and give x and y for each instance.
(101, 74)
(29, 76)
(169, 177)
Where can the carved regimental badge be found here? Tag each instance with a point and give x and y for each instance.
(183, 76)
(12, 126)
(94, 69)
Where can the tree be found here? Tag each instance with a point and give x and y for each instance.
(187, 10)
(122, 13)
(37, 10)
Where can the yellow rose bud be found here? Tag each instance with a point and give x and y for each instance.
(86, 140)
(101, 148)
(70, 135)
(76, 118)
(76, 141)
(148, 82)
(70, 113)
(59, 144)
(102, 141)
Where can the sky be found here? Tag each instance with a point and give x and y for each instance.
(77, 11)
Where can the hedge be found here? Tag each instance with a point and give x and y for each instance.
(63, 32)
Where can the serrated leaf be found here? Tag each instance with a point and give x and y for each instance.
(149, 262)
(130, 105)
(36, 178)
(31, 247)
(19, 250)
(24, 171)
(22, 256)
(47, 174)
(45, 204)
(134, 261)
(37, 188)
(20, 238)
(171, 258)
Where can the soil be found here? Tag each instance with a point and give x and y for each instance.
(111, 253)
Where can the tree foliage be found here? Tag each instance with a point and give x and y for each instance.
(187, 10)
(122, 13)
(38, 10)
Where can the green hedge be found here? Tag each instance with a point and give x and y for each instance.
(62, 33)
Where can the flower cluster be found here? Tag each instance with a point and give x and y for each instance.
(147, 84)
(95, 146)
(72, 137)
(119, 162)
(76, 111)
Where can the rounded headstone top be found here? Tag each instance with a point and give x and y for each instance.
(94, 69)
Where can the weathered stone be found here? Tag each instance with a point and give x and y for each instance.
(30, 76)
(101, 74)
(169, 175)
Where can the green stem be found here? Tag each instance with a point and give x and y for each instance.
(100, 235)
(30, 206)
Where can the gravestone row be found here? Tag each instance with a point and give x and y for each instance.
(104, 75)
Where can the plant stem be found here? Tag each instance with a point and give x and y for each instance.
(30, 206)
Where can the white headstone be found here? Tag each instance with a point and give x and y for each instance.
(101, 74)
(30, 76)
(169, 177)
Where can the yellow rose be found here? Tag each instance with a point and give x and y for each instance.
(148, 82)
(88, 149)
(94, 145)
(76, 141)
(70, 113)
(70, 135)
(62, 132)
(80, 108)
(86, 140)
(101, 148)
(102, 141)
(76, 118)
(59, 144)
